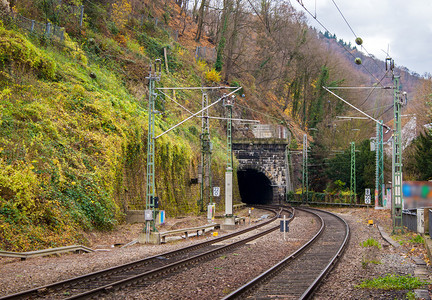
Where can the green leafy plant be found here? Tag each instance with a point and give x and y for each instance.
(393, 282)
(370, 242)
(213, 76)
(417, 239)
(410, 295)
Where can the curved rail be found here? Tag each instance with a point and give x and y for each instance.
(290, 282)
(136, 275)
(314, 286)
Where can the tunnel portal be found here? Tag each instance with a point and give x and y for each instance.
(254, 187)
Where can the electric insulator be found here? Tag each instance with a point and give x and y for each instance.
(359, 41)
(358, 61)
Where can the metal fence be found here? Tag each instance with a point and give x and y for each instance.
(263, 131)
(208, 54)
(140, 19)
(409, 219)
(430, 221)
(46, 29)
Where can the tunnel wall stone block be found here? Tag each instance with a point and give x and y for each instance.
(268, 157)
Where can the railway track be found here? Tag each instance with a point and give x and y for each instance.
(142, 272)
(299, 275)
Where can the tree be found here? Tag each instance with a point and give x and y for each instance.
(318, 179)
(232, 40)
(365, 167)
(227, 8)
(423, 156)
(339, 167)
(200, 21)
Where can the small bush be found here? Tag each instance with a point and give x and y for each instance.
(213, 76)
(393, 282)
(418, 239)
(16, 51)
(370, 242)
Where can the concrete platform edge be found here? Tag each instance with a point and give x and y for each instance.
(387, 238)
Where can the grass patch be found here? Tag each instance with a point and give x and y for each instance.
(393, 282)
(418, 239)
(408, 238)
(410, 295)
(370, 242)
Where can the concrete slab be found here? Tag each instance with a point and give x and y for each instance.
(422, 294)
(228, 224)
(419, 261)
(152, 238)
(428, 245)
(387, 238)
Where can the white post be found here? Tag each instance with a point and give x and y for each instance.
(228, 193)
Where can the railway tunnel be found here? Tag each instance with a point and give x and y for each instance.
(254, 186)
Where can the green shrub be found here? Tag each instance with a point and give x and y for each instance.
(393, 282)
(370, 242)
(418, 239)
(16, 51)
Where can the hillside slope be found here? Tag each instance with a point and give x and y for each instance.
(73, 126)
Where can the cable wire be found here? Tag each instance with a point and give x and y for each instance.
(337, 7)
(349, 52)
(355, 35)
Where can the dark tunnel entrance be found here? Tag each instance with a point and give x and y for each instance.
(254, 186)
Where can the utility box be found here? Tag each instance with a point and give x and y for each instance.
(161, 218)
(420, 220)
(284, 226)
(211, 210)
(148, 215)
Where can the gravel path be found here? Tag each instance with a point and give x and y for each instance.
(217, 278)
(341, 282)
(16, 275)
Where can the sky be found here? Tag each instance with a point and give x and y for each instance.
(400, 26)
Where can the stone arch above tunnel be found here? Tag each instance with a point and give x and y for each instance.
(267, 157)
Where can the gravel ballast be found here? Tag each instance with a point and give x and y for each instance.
(217, 278)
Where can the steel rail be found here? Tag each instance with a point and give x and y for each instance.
(255, 283)
(35, 292)
(270, 273)
(141, 278)
(314, 286)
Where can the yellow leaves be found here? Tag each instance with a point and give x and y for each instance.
(213, 75)
(314, 83)
(180, 51)
(121, 9)
(202, 65)
(19, 183)
(5, 93)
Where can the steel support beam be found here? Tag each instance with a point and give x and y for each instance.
(353, 195)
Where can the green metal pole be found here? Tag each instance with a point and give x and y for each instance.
(379, 163)
(229, 139)
(205, 177)
(397, 158)
(353, 175)
(228, 103)
(150, 148)
(305, 183)
(151, 211)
